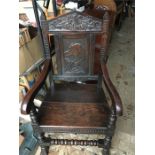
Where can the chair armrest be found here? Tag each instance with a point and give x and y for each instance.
(27, 102)
(116, 100)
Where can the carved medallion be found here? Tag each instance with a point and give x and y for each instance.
(74, 59)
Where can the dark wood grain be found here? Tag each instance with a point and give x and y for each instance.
(73, 92)
(66, 104)
(116, 100)
(74, 55)
(28, 99)
(73, 114)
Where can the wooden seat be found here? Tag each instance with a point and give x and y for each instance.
(74, 92)
(66, 104)
(73, 114)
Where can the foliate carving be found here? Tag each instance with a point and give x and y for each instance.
(75, 21)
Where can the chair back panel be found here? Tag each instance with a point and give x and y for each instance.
(75, 54)
(74, 35)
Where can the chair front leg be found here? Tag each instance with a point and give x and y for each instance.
(107, 145)
(44, 149)
(108, 138)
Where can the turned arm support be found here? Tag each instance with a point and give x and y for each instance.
(116, 100)
(27, 102)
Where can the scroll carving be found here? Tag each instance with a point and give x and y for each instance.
(75, 21)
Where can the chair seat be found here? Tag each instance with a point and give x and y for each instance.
(74, 105)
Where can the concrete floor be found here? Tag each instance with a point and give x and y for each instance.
(122, 72)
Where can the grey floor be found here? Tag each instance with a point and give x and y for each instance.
(122, 72)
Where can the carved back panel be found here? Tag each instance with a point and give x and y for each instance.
(74, 35)
(75, 54)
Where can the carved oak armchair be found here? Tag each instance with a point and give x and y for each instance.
(71, 106)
